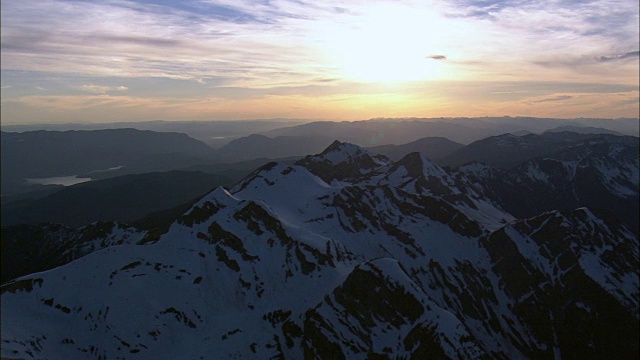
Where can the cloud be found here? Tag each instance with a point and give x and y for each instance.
(613, 68)
(265, 43)
(326, 80)
(627, 55)
(551, 99)
(83, 102)
(100, 89)
(582, 27)
(244, 41)
(143, 41)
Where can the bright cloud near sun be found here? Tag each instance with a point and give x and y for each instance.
(330, 59)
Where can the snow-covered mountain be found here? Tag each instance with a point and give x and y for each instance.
(508, 150)
(599, 172)
(343, 255)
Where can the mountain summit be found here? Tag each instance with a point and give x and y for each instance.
(341, 161)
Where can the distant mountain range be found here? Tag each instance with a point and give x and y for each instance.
(122, 199)
(348, 254)
(44, 154)
(462, 130)
(218, 133)
(584, 130)
(212, 133)
(508, 150)
(504, 152)
(260, 146)
(431, 147)
(32, 158)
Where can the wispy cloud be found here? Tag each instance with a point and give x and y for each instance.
(132, 39)
(100, 89)
(583, 60)
(551, 99)
(628, 55)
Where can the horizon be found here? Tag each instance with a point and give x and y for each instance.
(94, 62)
(205, 130)
(306, 121)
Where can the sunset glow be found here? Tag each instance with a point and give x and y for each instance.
(93, 61)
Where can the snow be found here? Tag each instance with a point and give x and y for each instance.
(345, 152)
(622, 181)
(477, 169)
(534, 173)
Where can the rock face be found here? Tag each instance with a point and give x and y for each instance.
(344, 255)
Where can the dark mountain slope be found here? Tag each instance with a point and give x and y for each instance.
(260, 146)
(583, 130)
(578, 298)
(27, 249)
(122, 199)
(599, 172)
(386, 131)
(431, 147)
(508, 150)
(42, 154)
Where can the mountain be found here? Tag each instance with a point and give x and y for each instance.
(122, 199)
(27, 249)
(218, 133)
(383, 131)
(212, 133)
(584, 130)
(259, 146)
(508, 124)
(341, 161)
(386, 131)
(384, 260)
(508, 150)
(431, 147)
(627, 126)
(575, 294)
(599, 172)
(95, 154)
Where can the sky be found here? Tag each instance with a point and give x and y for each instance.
(123, 60)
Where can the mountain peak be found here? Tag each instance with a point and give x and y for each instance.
(341, 160)
(335, 145)
(338, 152)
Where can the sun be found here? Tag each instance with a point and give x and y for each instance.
(387, 44)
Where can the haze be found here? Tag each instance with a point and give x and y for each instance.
(113, 61)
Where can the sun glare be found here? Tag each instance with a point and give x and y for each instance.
(388, 44)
